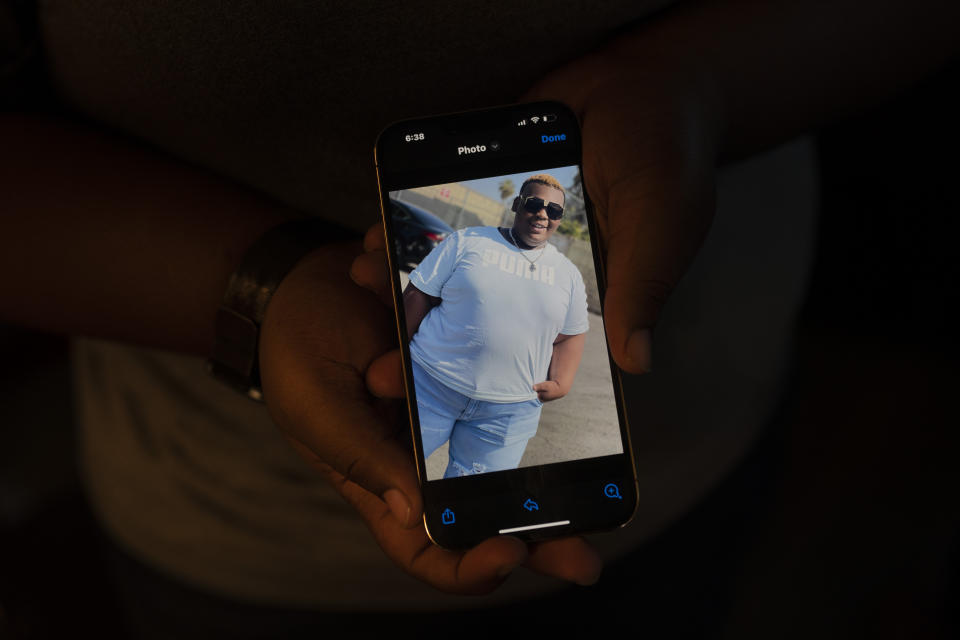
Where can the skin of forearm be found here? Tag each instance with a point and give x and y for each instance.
(416, 306)
(107, 239)
(565, 361)
(763, 72)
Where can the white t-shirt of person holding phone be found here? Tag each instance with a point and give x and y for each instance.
(500, 304)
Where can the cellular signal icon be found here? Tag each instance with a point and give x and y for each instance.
(534, 119)
(522, 123)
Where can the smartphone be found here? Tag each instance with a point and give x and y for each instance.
(516, 407)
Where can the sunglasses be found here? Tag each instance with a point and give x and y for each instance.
(533, 204)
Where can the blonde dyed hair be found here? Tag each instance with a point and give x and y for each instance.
(545, 179)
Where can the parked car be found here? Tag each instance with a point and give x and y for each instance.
(416, 231)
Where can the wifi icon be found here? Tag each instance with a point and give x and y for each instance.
(534, 119)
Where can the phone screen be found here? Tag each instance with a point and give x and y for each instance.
(515, 404)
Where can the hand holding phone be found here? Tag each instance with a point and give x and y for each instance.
(312, 363)
(497, 279)
(474, 571)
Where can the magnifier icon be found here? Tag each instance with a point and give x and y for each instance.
(612, 491)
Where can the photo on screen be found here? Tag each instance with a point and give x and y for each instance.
(507, 346)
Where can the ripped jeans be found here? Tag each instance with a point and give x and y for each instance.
(484, 436)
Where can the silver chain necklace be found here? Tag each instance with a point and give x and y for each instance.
(516, 243)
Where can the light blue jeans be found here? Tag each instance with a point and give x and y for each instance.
(484, 436)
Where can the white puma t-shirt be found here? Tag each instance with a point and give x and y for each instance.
(491, 337)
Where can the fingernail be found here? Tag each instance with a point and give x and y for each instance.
(399, 505)
(639, 350)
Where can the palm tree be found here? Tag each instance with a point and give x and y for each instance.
(506, 189)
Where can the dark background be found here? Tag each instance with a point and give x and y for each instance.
(842, 522)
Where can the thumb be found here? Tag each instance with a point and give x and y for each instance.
(648, 160)
(656, 220)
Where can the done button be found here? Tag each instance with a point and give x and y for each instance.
(557, 138)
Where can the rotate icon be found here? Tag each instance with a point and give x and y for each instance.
(612, 491)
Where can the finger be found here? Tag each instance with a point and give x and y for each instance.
(477, 571)
(369, 453)
(385, 376)
(371, 271)
(375, 238)
(571, 559)
(397, 507)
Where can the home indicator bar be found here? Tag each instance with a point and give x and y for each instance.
(558, 523)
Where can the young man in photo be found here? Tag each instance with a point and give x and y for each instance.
(497, 319)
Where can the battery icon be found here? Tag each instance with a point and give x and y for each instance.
(549, 117)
